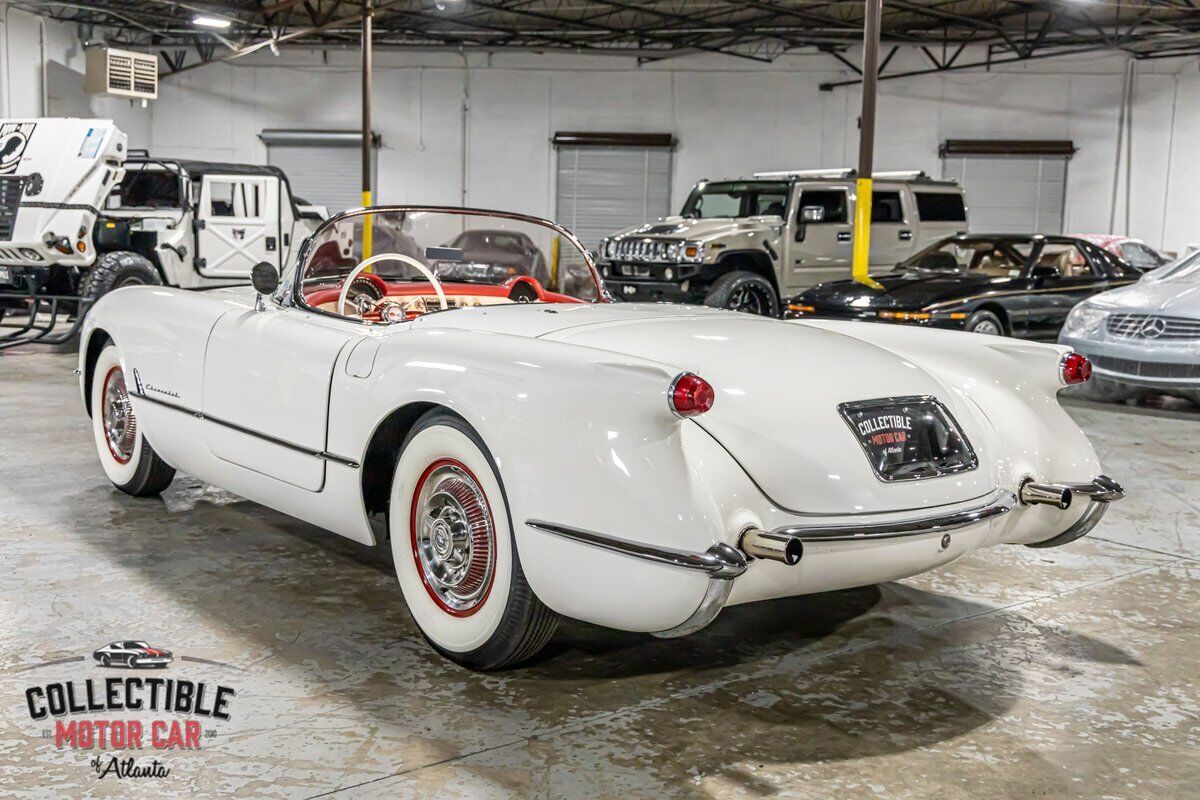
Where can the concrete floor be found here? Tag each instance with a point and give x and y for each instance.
(1013, 673)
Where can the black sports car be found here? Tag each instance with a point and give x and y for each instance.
(1000, 284)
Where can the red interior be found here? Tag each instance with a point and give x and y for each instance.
(510, 288)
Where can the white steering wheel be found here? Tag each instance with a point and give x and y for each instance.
(412, 262)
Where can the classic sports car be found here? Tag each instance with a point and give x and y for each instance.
(528, 451)
(132, 654)
(1142, 339)
(1004, 284)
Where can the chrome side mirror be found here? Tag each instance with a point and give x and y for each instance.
(265, 279)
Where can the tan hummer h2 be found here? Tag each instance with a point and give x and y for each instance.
(743, 244)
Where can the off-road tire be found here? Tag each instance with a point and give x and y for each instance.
(116, 269)
(984, 319)
(744, 291)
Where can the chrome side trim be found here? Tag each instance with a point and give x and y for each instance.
(1003, 502)
(1101, 490)
(719, 561)
(321, 454)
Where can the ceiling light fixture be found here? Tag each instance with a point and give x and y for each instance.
(211, 22)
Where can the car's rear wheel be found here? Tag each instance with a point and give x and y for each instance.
(744, 291)
(984, 322)
(454, 552)
(128, 459)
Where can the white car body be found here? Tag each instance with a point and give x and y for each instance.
(623, 514)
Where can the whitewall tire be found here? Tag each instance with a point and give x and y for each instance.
(127, 458)
(452, 544)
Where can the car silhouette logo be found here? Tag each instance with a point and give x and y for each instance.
(132, 654)
(1153, 328)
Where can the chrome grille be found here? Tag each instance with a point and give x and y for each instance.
(9, 254)
(1153, 326)
(641, 250)
(1147, 369)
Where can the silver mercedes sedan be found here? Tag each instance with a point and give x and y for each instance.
(1144, 338)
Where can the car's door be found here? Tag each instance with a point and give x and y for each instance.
(821, 228)
(267, 376)
(1062, 276)
(891, 233)
(237, 224)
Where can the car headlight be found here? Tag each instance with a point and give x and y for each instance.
(1084, 320)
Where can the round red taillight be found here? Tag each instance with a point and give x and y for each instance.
(1075, 368)
(691, 395)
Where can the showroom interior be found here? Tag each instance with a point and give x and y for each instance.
(1017, 269)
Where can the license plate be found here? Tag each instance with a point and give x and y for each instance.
(909, 438)
(5, 275)
(629, 289)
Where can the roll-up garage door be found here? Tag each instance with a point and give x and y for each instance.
(323, 167)
(604, 187)
(1011, 187)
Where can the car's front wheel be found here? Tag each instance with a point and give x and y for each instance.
(985, 322)
(454, 553)
(105, 661)
(128, 459)
(744, 291)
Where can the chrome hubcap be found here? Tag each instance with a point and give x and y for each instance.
(120, 426)
(987, 327)
(454, 538)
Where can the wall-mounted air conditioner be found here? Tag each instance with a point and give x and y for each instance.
(123, 73)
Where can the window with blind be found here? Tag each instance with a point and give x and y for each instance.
(605, 188)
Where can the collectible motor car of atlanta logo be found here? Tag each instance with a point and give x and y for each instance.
(117, 717)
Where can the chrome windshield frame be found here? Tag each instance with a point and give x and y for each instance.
(293, 292)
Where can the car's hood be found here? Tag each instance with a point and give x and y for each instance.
(778, 389)
(699, 229)
(901, 289)
(1174, 298)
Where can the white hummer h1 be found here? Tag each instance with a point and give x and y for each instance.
(80, 215)
(746, 243)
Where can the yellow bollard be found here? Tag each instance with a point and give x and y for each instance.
(555, 247)
(861, 264)
(366, 251)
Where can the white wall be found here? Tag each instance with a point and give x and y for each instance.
(730, 116)
(41, 74)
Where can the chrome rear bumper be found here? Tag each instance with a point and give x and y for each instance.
(722, 562)
(1100, 491)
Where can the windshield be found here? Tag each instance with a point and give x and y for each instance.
(146, 188)
(1000, 258)
(737, 199)
(395, 264)
(1185, 269)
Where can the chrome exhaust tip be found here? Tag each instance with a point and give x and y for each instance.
(772, 546)
(1032, 493)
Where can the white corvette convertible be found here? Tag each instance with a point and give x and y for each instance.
(529, 448)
